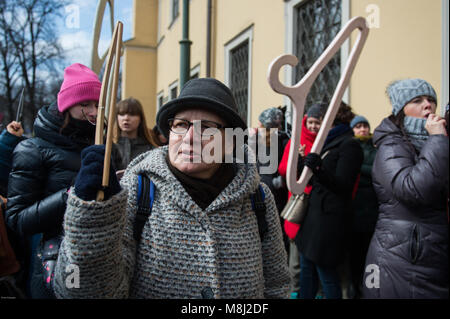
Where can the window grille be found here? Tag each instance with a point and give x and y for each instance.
(318, 22)
(173, 92)
(239, 61)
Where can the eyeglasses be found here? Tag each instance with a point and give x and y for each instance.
(204, 128)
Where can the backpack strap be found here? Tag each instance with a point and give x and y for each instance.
(259, 207)
(146, 194)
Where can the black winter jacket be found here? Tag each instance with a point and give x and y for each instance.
(322, 236)
(365, 204)
(43, 169)
(410, 245)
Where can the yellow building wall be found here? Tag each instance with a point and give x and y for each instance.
(266, 17)
(139, 61)
(230, 18)
(168, 48)
(407, 44)
(197, 34)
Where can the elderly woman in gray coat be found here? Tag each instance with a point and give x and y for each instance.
(408, 254)
(202, 238)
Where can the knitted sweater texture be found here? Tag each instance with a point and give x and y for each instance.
(183, 248)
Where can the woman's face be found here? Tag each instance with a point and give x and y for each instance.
(85, 111)
(313, 124)
(420, 107)
(192, 153)
(128, 123)
(361, 129)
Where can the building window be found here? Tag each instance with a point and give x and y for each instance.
(195, 72)
(173, 90)
(316, 24)
(175, 9)
(160, 100)
(238, 71)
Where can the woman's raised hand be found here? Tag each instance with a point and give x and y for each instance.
(435, 125)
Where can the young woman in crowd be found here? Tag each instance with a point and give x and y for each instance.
(321, 239)
(408, 253)
(310, 127)
(201, 239)
(44, 167)
(132, 137)
(272, 118)
(365, 205)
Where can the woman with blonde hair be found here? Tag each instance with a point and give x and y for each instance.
(132, 137)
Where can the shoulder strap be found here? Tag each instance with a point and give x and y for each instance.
(146, 194)
(259, 207)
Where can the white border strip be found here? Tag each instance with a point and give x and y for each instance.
(445, 57)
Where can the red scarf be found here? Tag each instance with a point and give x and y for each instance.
(306, 138)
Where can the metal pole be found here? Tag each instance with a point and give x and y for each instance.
(208, 39)
(185, 47)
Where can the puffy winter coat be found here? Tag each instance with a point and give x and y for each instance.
(183, 251)
(408, 254)
(43, 169)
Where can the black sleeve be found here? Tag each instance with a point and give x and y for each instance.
(29, 210)
(348, 166)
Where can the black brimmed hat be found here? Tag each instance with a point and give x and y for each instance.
(204, 93)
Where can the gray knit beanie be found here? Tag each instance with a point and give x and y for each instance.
(271, 118)
(317, 110)
(403, 91)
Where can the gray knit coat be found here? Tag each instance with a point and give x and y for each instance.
(183, 249)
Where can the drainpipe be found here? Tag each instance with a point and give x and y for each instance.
(185, 47)
(208, 40)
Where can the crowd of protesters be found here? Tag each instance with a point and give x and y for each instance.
(174, 225)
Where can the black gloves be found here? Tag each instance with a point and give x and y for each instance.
(313, 161)
(89, 178)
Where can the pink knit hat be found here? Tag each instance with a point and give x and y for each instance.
(80, 84)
